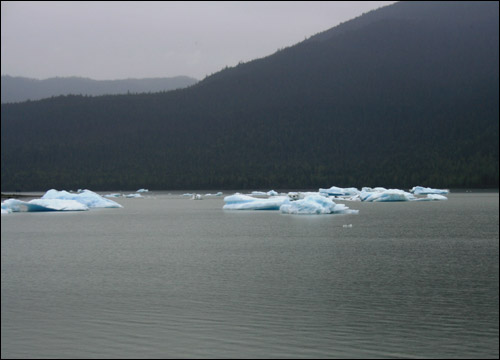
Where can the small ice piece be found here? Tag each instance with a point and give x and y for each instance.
(436, 197)
(421, 190)
(432, 197)
(114, 195)
(272, 193)
(214, 195)
(347, 226)
(86, 197)
(142, 190)
(245, 202)
(336, 191)
(386, 195)
(196, 197)
(314, 204)
(376, 189)
(258, 193)
(132, 195)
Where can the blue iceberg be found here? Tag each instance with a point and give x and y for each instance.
(314, 204)
(54, 200)
(311, 203)
(421, 190)
(337, 191)
(432, 197)
(86, 197)
(35, 205)
(246, 202)
(386, 195)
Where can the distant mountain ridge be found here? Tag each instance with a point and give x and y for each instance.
(402, 96)
(17, 89)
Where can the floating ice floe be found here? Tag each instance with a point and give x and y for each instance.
(36, 205)
(337, 191)
(132, 195)
(214, 195)
(314, 204)
(246, 202)
(142, 190)
(386, 195)
(54, 200)
(379, 194)
(431, 197)
(86, 197)
(420, 190)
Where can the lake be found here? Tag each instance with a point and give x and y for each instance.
(170, 277)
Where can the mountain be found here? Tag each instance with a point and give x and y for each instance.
(17, 89)
(405, 95)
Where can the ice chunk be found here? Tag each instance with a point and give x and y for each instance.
(420, 190)
(264, 193)
(431, 197)
(336, 191)
(132, 195)
(258, 193)
(15, 205)
(314, 204)
(214, 195)
(86, 197)
(436, 197)
(142, 190)
(386, 195)
(246, 202)
(369, 189)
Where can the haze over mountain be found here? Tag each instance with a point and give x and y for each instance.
(405, 95)
(17, 89)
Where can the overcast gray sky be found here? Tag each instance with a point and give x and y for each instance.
(118, 40)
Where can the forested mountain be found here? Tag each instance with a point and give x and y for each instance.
(17, 89)
(402, 96)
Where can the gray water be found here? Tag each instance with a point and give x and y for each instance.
(167, 277)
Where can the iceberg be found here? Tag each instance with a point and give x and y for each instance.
(258, 193)
(86, 197)
(431, 197)
(264, 193)
(336, 191)
(246, 202)
(420, 190)
(132, 195)
(314, 204)
(214, 195)
(386, 195)
(15, 205)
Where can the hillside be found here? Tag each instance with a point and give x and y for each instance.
(18, 89)
(405, 95)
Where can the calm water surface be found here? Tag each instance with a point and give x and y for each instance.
(167, 277)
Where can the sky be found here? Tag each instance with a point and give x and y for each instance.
(107, 40)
